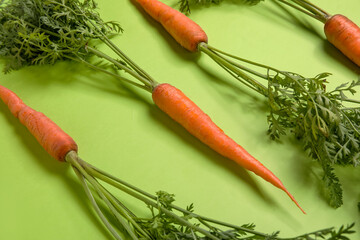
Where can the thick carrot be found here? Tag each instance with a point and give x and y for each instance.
(180, 108)
(50, 136)
(181, 28)
(345, 35)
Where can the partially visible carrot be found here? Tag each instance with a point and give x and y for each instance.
(180, 108)
(181, 28)
(50, 136)
(345, 35)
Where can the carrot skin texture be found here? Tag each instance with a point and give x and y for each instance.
(50, 136)
(344, 35)
(181, 109)
(185, 31)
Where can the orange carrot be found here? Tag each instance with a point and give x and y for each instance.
(345, 35)
(50, 136)
(181, 28)
(180, 108)
(173, 102)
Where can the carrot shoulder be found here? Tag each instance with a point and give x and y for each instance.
(181, 28)
(180, 108)
(50, 136)
(345, 35)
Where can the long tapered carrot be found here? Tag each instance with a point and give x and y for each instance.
(181, 28)
(173, 102)
(50, 136)
(345, 35)
(180, 108)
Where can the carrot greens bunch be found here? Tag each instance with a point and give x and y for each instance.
(37, 32)
(43, 32)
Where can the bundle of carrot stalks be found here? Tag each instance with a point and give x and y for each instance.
(165, 223)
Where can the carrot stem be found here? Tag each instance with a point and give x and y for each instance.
(351, 100)
(301, 10)
(120, 53)
(310, 9)
(315, 7)
(72, 158)
(136, 67)
(234, 67)
(117, 76)
(116, 182)
(122, 66)
(111, 180)
(243, 60)
(351, 123)
(95, 205)
(247, 61)
(119, 185)
(235, 76)
(124, 212)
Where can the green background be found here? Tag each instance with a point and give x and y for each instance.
(118, 128)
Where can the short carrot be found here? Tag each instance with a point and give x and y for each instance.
(50, 136)
(345, 35)
(181, 28)
(179, 107)
(185, 31)
(339, 30)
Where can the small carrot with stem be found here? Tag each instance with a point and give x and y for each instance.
(297, 104)
(339, 30)
(63, 148)
(79, 25)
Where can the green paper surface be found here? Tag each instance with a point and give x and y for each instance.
(120, 130)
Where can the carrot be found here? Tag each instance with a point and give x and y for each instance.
(181, 28)
(345, 35)
(50, 136)
(339, 30)
(180, 108)
(173, 102)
